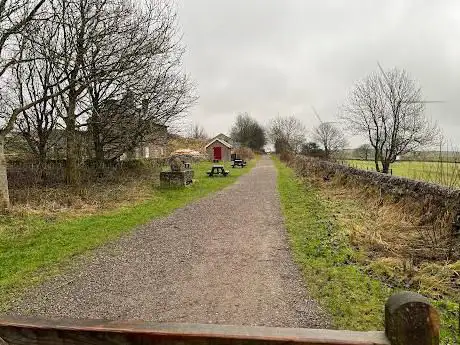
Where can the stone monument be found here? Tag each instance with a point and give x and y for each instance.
(178, 176)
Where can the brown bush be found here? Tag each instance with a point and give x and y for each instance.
(244, 153)
(24, 174)
(123, 182)
(286, 156)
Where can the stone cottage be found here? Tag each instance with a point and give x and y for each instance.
(155, 145)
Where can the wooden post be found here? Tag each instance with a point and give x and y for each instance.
(411, 320)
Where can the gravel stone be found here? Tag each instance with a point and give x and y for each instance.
(224, 259)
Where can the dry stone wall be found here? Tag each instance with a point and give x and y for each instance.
(435, 200)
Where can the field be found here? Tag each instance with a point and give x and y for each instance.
(34, 245)
(447, 174)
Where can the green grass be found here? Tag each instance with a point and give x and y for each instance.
(354, 300)
(34, 247)
(331, 267)
(444, 173)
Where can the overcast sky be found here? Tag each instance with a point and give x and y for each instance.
(267, 57)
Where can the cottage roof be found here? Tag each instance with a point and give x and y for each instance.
(223, 142)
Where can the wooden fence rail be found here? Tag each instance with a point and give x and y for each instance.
(409, 320)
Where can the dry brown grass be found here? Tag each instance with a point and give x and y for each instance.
(398, 245)
(84, 199)
(130, 184)
(287, 156)
(244, 153)
(186, 143)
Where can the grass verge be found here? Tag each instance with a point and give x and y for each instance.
(34, 247)
(331, 267)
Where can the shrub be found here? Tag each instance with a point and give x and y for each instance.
(244, 153)
(286, 156)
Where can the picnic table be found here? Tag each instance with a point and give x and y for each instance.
(217, 170)
(238, 163)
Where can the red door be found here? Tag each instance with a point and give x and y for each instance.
(218, 153)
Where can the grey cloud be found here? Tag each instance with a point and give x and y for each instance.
(283, 56)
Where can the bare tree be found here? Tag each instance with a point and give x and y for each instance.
(287, 134)
(15, 16)
(363, 151)
(123, 124)
(145, 89)
(34, 83)
(121, 63)
(387, 108)
(197, 132)
(82, 26)
(330, 137)
(165, 94)
(78, 57)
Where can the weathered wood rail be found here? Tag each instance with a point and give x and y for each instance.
(409, 320)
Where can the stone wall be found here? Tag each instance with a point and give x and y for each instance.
(176, 178)
(434, 201)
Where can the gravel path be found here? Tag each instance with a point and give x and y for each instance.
(223, 259)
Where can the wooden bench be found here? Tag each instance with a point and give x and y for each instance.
(239, 163)
(409, 320)
(217, 170)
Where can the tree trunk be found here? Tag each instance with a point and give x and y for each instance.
(71, 156)
(4, 194)
(71, 173)
(42, 161)
(98, 145)
(385, 167)
(99, 155)
(376, 160)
